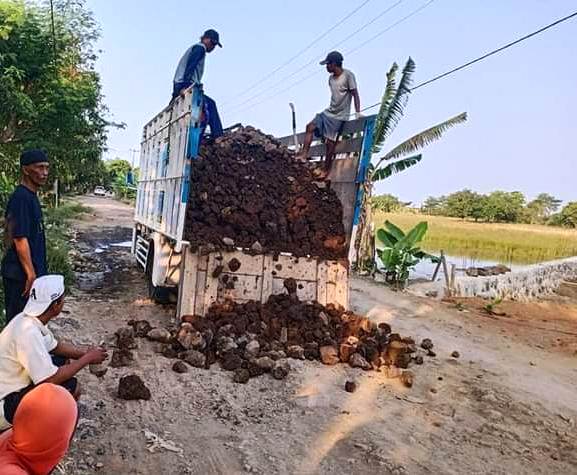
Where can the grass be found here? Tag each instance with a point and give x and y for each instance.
(56, 221)
(507, 243)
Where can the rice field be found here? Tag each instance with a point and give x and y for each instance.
(499, 242)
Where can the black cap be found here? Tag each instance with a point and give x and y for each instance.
(334, 57)
(29, 157)
(212, 35)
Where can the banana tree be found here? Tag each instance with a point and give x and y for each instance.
(402, 157)
(399, 252)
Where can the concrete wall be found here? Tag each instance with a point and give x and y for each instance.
(535, 281)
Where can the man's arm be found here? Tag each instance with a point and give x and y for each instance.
(25, 257)
(64, 373)
(67, 350)
(357, 99)
(196, 54)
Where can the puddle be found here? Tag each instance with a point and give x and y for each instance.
(127, 244)
(89, 280)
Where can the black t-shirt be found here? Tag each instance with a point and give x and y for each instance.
(24, 219)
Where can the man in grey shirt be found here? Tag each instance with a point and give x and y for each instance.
(189, 73)
(328, 124)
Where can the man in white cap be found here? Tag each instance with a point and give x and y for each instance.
(31, 355)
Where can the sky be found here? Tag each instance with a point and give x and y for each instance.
(521, 103)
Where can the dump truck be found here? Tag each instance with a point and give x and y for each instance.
(174, 270)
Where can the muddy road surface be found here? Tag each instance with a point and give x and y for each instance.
(506, 405)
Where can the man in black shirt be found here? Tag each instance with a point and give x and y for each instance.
(25, 257)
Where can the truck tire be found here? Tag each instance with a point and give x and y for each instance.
(159, 295)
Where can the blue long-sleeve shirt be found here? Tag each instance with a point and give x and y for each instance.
(190, 68)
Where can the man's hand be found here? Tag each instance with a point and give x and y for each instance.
(95, 356)
(358, 115)
(28, 285)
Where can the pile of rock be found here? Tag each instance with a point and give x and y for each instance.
(253, 338)
(247, 191)
(487, 271)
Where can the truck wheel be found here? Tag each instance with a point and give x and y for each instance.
(159, 295)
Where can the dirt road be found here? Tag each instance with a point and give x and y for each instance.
(507, 405)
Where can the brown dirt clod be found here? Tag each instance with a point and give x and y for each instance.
(180, 367)
(234, 264)
(350, 386)
(131, 387)
(121, 357)
(125, 338)
(241, 376)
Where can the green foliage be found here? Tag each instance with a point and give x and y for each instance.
(491, 307)
(50, 93)
(399, 252)
(117, 168)
(465, 204)
(392, 109)
(498, 206)
(503, 206)
(387, 203)
(541, 209)
(434, 206)
(395, 167)
(568, 216)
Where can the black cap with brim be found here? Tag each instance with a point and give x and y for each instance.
(29, 157)
(332, 58)
(212, 35)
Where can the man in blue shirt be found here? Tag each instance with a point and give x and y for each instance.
(189, 73)
(25, 257)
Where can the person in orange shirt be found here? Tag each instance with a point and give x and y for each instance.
(44, 424)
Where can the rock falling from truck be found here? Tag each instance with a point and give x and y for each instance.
(247, 191)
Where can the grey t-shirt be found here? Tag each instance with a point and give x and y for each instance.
(341, 87)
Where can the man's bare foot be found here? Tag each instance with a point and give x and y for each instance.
(301, 157)
(320, 173)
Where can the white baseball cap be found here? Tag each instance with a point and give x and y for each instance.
(44, 291)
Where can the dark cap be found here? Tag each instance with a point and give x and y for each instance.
(334, 57)
(29, 157)
(212, 35)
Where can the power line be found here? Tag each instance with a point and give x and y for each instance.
(390, 27)
(382, 32)
(315, 59)
(306, 48)
(485, 56)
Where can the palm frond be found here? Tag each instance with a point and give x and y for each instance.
(395, 167)
(388, 95)
(398, 103)
(423, 139)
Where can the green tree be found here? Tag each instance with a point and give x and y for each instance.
(49, 90)
(401, 157)
(568, 215)
(434, 206)
(461, 204)
(118, 168)
(541, 208)
(504, 206)
(387, 203)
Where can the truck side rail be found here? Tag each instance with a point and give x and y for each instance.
(169, 142)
